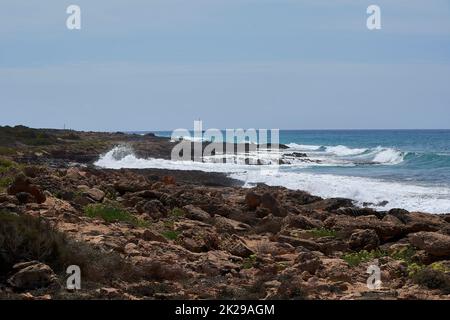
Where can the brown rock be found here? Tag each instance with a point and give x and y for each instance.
(301, 222)
(238, 248)
(364, 240)
(196, 213)
(308, 261)
(149, 235)
(252, 200)
(386, 229)
(32, 275)
(23, 184)
(269, 202)
(168, 180)
(433, 243)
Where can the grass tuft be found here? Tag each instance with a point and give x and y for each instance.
(111, 213)
(322, 232)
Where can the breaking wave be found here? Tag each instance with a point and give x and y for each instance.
(413, 197)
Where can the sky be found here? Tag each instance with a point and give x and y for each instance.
(275, 64)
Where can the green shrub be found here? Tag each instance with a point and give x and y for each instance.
(356, 258)
(433, 279)
(112, 213)
(171, 234)
(177, 212)
(322, 232)
(249, 262)
(405, 254)
(25, 238)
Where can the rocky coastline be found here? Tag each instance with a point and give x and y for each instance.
(167, 234)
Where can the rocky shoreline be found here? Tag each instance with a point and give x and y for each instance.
(163, 234)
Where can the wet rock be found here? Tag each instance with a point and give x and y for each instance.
(433, 243)
(331, 204)
(32, 275)
(364, 240)
(355, 212)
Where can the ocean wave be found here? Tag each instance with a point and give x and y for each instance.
(342, 151)
(364, 190)
(303, 147)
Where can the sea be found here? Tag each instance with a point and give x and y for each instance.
(382, 169)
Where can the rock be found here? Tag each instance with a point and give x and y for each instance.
(24, 197)
(193, 245)
(153, 208)
(252, 200)
(297, 154)
(434, 243)
(130, 249)
(331, 204)
(301, 222)
(196, 213)
(386, 229)
(96, 194)
(269, 202)
(74, 173)
(168, 180)
(238, 248)
(308, 261)
(400, 214)
(32, 275)
(364, 240)
(296, 242)
(226, 225)
(355, 212)
(23, 184)
(149, 235)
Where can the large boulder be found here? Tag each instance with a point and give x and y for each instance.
(364, 240)
(195, 213)
(301, 222)
(388, 228)
(269, 202)
(32, 275)
(252, 200)
(23, 184)
(433, 243)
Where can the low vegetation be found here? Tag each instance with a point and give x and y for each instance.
(25, 238)
(171, 234)
(112, 213)
(322, 232)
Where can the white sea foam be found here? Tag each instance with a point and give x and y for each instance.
(342, 151)
(303, 147)
(389, 156)
(399, 195)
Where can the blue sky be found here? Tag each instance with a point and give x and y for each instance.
(289, 64)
